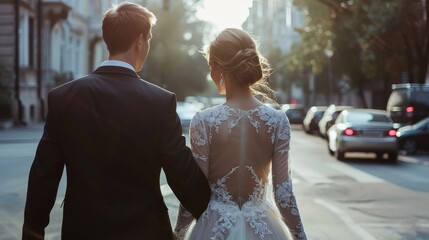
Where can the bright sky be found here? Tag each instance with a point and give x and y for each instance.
(225, 13)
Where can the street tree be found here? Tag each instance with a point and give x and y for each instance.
(374, 42)
(404, 38)
(175, 61)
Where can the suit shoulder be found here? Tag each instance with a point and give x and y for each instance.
(71, 83)
(156, 88)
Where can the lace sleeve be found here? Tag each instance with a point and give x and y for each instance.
(199, 146)
(199, 143)
(282, 181)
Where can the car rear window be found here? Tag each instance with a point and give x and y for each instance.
(362, 117)
(319, 114)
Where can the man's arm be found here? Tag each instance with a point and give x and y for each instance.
(45, 175)
(183, 174)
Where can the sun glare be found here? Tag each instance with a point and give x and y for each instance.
(225, 13)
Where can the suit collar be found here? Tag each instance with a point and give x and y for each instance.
(115, 70)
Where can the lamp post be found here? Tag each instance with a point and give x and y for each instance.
(329, 53)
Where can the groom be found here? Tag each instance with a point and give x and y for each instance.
(113, 132)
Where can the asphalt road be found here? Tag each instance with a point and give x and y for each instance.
(360, 198)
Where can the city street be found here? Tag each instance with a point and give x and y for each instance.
(360, 198)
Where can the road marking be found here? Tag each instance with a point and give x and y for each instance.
(166, 190)
(361, 232)
(358, 175)
(409, 159)
(414, 160)
(309, 175)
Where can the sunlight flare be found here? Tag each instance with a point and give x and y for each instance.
(225, 13)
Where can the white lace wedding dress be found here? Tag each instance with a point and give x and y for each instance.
(236, 150)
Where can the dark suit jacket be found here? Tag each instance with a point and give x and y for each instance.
(113, 132)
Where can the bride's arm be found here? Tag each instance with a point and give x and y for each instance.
(184, 220)
(282, 181)
(199, 146)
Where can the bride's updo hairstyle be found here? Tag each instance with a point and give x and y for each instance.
(234, 51)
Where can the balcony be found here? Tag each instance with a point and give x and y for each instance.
(55, 11)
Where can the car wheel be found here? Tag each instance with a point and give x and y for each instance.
(339, 155)
(307, 130)
(393, 157)
(325, 134)
(330, 150)
(410, 146)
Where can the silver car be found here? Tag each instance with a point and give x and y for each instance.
(329, 117)
(363, 130)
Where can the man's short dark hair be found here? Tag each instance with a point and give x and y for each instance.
(123, 23)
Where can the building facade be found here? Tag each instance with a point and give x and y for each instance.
(274, 22)
(44, 43)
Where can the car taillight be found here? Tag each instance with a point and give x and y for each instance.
(348, 132)
(392, 133)
(410, 112)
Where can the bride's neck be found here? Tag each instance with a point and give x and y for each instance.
(240, 96)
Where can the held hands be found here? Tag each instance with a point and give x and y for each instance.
(179, 235)
(179, 232)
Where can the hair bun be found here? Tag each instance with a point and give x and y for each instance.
(234, 51)
(245, 66)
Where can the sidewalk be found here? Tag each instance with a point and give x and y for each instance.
(24, 134)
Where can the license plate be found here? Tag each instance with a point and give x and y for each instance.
(372, 134)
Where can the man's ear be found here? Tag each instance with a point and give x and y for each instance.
(139, 41)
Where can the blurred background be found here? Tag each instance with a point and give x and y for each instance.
(351, 75)
(323, 51)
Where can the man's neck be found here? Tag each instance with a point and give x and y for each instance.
(123, 58)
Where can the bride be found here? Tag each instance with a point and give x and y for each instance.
(237, 144)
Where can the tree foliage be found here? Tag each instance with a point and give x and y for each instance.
(402, 39)
(372, 41)
(174, 61)
(316, 36)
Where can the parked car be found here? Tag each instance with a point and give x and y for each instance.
(295, 112)
(363, 130)
(329, 117)
(312, 118)
(414, 137)
(408, 103)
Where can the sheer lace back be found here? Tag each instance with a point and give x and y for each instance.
(236, 149)
(241, 144)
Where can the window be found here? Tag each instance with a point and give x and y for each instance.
(362, 117)
(289, 14)
(57, 49)
(77, 58)
(23, 39)
(31, 42)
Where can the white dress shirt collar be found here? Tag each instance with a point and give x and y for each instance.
(117, 63)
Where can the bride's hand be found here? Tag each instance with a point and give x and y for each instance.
(179, 235)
